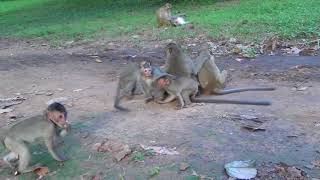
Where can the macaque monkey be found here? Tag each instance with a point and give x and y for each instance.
(185, 90)
(165, 17)
(48, 127)
(178, 63)
(204, 68)
(127, 84)
(133, 77)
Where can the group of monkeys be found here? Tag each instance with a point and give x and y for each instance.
(181, 79)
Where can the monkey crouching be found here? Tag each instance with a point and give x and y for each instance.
(49, 127)
(185, 90)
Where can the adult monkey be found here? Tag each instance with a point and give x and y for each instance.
(49, 126)
(165, 17)
(211, 79)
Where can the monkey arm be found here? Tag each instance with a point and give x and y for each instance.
(52, 150)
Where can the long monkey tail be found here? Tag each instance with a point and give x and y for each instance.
(236, 90)
(224, 101)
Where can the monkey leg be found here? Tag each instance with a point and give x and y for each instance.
(186, 97)
(22, 150)
(52, 150)
(168, 99)
(11, 159)
(180, 101)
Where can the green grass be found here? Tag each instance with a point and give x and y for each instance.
(83, 19)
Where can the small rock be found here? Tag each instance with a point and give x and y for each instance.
(59, 100)
(295, 51)
(302, 88)
(2, 111)
(310, 166)
(98, 60)
(239, 59)
(135, 36)
(184, 166)
(232, 40)
(77, 90)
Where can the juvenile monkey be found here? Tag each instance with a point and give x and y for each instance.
(48, 127)
(133, 77)
(185, 89)
(204, 68)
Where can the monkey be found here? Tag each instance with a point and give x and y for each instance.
(185, 90)
(177, 63)
(204, 68)
(212, 80)
(127, 84)
(49, 126)
(133, 77)
(164, 16)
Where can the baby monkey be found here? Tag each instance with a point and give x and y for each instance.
(49, 127)
(185, 89)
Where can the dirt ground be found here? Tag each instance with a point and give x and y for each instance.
(206, 136)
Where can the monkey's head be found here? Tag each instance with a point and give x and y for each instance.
(57, 113)
(172, 49)
(146, 68)
(168, 6)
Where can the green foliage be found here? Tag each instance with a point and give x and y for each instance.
(138, 156)
(154, 171)
(82, 19)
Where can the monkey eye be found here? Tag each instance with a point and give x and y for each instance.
(60, 116)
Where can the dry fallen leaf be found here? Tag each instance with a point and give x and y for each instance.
(41, 172)
(118, 149)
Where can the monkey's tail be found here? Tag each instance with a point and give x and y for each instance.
(236, 90)
(225, 101)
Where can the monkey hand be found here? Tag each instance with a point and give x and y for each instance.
(122, 109)
(62, 158)
(149, 99)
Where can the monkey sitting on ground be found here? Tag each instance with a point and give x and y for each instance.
(165, 17)
(204, 68)
(185, 90)
(48, 127)
(135, 76)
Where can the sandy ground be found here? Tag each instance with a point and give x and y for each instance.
(206, 136)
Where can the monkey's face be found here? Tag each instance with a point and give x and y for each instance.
(147, 72)
(59, 118)
(146, 69)
(168, 6)
(163, 82)
(171, 49)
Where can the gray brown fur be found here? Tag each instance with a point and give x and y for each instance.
(29, 131)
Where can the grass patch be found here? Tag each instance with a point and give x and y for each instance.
(82, 19)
